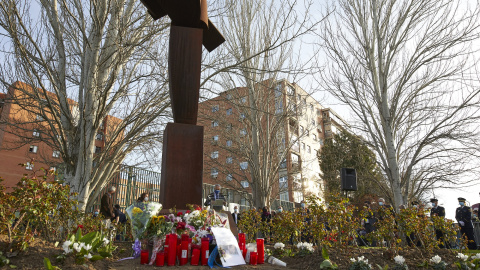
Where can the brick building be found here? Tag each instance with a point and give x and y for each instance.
(291, 127)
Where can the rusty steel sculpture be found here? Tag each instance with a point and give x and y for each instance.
(182, 157)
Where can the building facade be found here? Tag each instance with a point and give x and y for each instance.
(284, 123)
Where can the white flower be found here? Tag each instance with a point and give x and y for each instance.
(202, 233)
(106, 241)
(88, 256)
(82, 245)
(66, 244)
(476, 256)
(399, 260)
(436, 259)
(279, 246)
(67, 250)
(77, 247)
(353, 260)
(306, 246)
(88, 247)
(462, 257)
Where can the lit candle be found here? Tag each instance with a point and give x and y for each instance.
(144, 256)
(260, 251)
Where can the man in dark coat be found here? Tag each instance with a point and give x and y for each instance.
(106, 206)
(236, 215)
(463, 215)
(437, 211)
(215, 195)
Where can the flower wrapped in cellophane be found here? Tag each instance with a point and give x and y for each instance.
(140, 215)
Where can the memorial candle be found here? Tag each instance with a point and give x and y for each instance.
(205, 251)
(144, 256)
(160, 260)
(195, 256)
(172, 249)
(253, 258)
(260, 251)
(184, 250)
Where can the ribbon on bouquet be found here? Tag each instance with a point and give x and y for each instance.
(137, 247)
(157, 244)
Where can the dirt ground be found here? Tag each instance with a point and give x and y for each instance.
(33, 259)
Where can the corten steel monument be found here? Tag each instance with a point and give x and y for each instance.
(182, 157)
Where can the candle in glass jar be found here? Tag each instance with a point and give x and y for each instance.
(160, 260)
(205, 250)
(195, 256)
(144, 256)
(172, 249)
(260, 251)
(253, 258)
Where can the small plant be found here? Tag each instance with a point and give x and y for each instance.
(279, 250)
(436, 263)
(305, 248)
(92, 246)
(48, 265)
(327, 264)
(463, 263)
(399, 263)
(360, 264)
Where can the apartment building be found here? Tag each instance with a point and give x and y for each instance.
(282, 120)
(26, 137)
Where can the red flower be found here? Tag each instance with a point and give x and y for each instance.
(188, 212)
(181, 225)
(179, 214)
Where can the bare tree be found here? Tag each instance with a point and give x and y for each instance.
(405, 70)
(84, 61)
(261, 37)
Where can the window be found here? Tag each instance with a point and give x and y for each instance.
(303, 146)
(311, 107)
(215, 108)
(214, 173)
(36, 133)
(304, 101)
(214, 123)
(98, 149)
(229, 111)
(279, 106)
(283, 164)
(56, 153)
(215, 139)
(229, 160)
(229, 177)
(33, 149)
(244, 183)
(283, 182)
(229, 143)
(229, 127)
(242, 116)
(299, 97)
(229, 96)
(244, 100)
(307, 132)
(39, 117)
(29, 166)
(320, 141)
(243, 165)
(278, 90)
(99, 136)
(313, 122)
(315, 137)
(243, 132)
(214, 154)
(301, 130)
(309, 149)
(284, 196)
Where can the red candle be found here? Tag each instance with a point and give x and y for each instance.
(165, 247)
(205, 251)
(144, 256)
(253, 258)
(195, 256)
(184, 251)
(241, 240)
(260, 251)
(160, 260)
(172, 249)
(244, 253)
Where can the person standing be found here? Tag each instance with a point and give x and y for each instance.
(143, 197)
(236, 215)
(215, 195)
(463, 215)
(437, 211)
(106, 206)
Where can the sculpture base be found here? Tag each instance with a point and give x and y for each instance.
(182, 166)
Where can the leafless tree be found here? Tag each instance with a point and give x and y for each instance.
(95, 58)
(261, 37)
(406, 70)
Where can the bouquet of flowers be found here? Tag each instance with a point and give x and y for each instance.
(140, 214)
